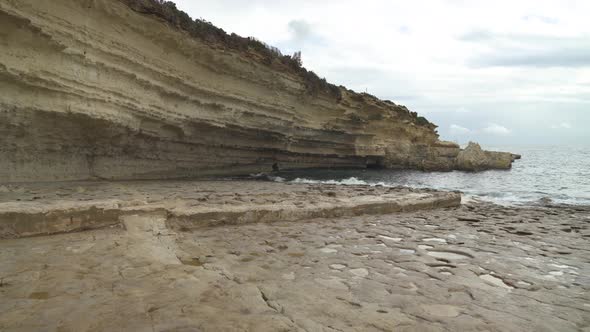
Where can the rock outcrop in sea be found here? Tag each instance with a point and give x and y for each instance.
(134, 89)
(473, 158)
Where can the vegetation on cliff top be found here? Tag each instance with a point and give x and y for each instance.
(209, 33)
(269, 55)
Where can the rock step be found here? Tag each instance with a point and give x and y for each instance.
(327, 210)
(54, 220)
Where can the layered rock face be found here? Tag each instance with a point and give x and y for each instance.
(99, 89)
(474, 159)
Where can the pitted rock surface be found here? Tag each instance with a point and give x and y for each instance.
(499, 269)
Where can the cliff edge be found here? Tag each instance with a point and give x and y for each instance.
(134, 89)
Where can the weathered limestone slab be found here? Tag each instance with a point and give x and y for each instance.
(41, 209)
(469, 268)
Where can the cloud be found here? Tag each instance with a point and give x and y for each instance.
(563, 57)
(456, 130)
(528, 50)
(462, 110)
(563, 125)
(541, 18)
(476, 36)
(468, 63)
(300, 29)
(404, 29)
(496, 129)
(374, 80)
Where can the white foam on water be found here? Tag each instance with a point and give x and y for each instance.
(277, 179)
(266, 176)
(351, 181)
(533, 180)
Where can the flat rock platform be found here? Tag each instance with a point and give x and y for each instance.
(192, 256)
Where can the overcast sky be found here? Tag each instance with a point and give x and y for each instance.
(498, 72)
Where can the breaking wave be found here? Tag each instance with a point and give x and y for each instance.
(351, 181)
(558, 175)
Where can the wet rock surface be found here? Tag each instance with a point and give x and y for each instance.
(475, 267)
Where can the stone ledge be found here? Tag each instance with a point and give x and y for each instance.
(185, 221)
(71, 207)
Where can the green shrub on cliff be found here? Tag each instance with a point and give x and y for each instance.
(209, 33)
(422, 121)
(260, 51)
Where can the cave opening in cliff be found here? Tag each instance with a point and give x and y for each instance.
(374, 163)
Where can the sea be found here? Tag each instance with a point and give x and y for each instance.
(556, 173)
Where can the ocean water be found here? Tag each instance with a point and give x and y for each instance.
(561, 174)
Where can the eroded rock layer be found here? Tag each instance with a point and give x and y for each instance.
(97, 89)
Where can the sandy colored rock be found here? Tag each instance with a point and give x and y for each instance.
(473, 158)
(48, 208)
(273, 277)
(100, 90)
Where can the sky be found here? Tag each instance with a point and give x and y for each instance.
(498, 72)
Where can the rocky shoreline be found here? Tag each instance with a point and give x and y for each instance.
(474, 266)
(133, 89)
(112, 93)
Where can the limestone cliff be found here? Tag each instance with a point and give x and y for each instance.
(116, 89)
